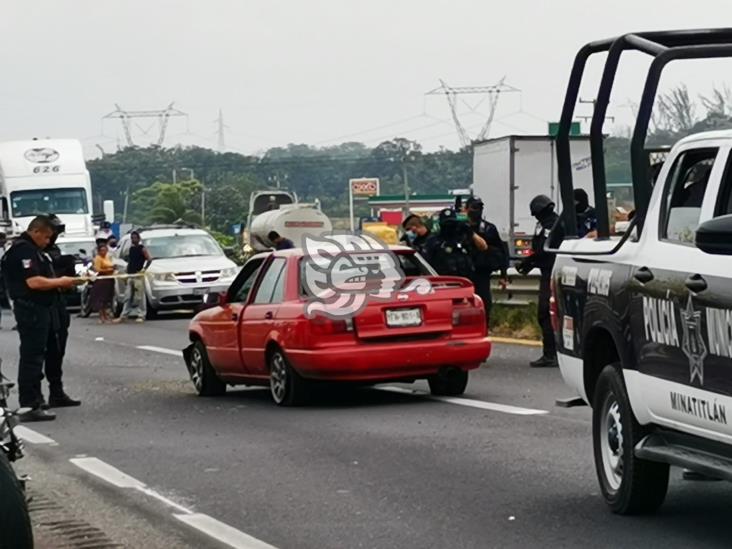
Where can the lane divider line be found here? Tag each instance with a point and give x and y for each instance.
(480, 404)
(33, 437)
(107, 472)
(222, 532)
(203, 523)
(161, 350)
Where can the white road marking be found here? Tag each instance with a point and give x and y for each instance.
(223, 532)
(106, 472)
(493, 406)
(34, 437)
(204, 523)
(166, 501)
(161, 350)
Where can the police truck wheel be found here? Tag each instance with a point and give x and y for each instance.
(203, 376)
(15, 524)
(628, 484)
(288, 388)
(450, 382)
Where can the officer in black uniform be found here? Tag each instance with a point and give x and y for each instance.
(542, 208)
(490, 260)
(417, 234)
(450, 251)
(35, 291)
(63, 265)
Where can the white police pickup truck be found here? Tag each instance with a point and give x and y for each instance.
(644, 322)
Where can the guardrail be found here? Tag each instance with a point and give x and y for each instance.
(521, 290)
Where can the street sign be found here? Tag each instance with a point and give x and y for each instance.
(364, 187)
(361, 188)
(575, 129)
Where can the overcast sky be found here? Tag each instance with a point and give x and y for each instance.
(313, 71)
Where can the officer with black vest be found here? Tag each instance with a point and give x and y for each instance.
(492, 259)
(450, 251)
(542, 208)
(36, 293)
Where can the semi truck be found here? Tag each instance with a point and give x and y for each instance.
(41, 176)
(509, 171)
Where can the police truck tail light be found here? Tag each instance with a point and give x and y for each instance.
(553, 309)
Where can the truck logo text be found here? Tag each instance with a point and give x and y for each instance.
(659, 321)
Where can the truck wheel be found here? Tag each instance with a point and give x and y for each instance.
(628, 484)
(288, 388)
(203, 376)
(15, 524)
(450, 382)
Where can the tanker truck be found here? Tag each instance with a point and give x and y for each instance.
(281, 212)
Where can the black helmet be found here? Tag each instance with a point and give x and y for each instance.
(474, 203)
(540, 203)
(447, 215)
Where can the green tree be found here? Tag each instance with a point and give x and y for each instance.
(167, 202)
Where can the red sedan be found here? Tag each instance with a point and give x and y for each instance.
(262, 332)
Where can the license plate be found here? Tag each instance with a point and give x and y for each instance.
(400, 318)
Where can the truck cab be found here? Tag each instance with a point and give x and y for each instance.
(43, 176)
(643, 322)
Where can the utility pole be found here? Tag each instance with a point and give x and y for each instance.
(163, 116)
(492, 92)
(220, 127)
(406, 186)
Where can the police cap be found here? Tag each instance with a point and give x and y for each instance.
(448, 215)
(58, 226)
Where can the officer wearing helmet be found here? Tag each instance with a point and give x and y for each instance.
(542, 208)
(450, 251)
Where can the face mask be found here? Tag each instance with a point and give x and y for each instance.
(411, 236)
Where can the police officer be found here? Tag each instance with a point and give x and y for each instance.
(417, 234)
(63, 265)
(35, 291)
(490, 260)
(450, 251)
(542, 208)
(586, 215)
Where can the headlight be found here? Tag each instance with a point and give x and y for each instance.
(162, 277)
(228, 273)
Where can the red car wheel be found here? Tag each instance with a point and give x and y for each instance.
(286, 385)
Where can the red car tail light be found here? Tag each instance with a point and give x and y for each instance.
(467, 312)
(323, 325)
(553, 309)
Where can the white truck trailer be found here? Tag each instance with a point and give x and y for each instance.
(42, 176)
(509, 171)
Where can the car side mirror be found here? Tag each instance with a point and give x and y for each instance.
(715, 236)
(223, 299)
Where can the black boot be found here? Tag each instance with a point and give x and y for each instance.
(36, 414)
(62, 400)
(546, 361)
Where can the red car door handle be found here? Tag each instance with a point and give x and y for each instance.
(269, 315)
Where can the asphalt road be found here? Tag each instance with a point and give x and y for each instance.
(357, 468)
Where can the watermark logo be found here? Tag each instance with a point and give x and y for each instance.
(343, 272)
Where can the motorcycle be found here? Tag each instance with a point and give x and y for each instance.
(15, 525)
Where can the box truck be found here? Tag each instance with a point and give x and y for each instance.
(509, 171)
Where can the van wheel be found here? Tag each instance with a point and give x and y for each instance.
(449, 382)
(629, 485)
(203, 376)
(288, 388)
